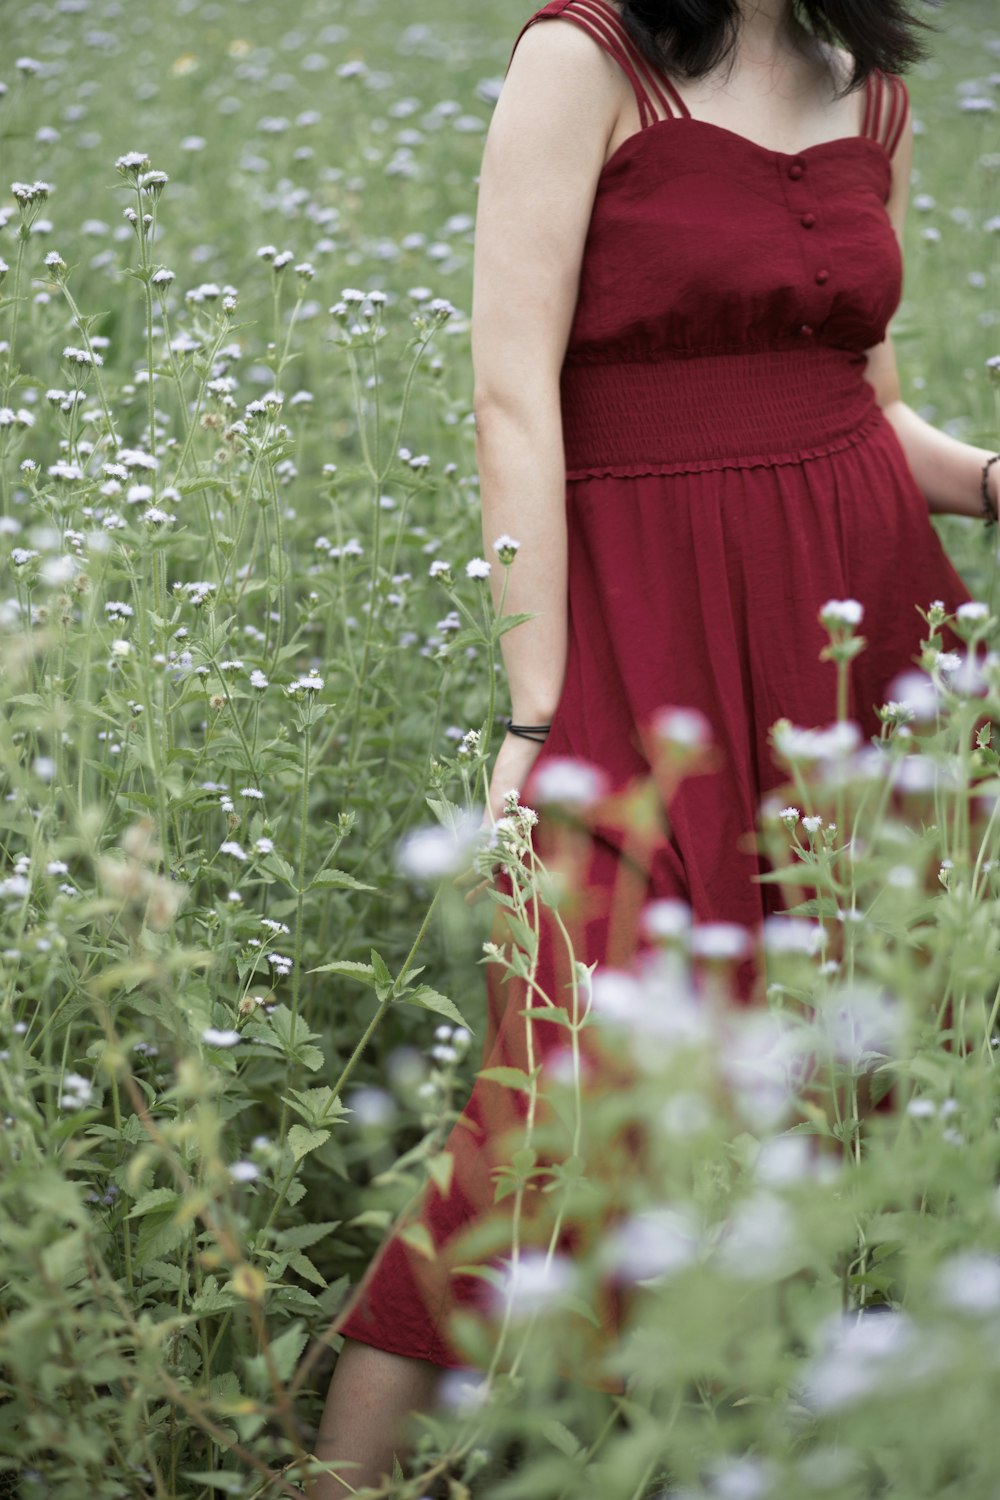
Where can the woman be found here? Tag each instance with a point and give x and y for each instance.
(688, 414)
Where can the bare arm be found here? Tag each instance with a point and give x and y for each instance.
(544, 151)
(947, 470)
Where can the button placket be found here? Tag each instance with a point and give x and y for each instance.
(813, 311)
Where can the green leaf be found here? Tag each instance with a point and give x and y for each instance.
(381, 972)
(560, 1437)
(54, 1195)
(317, 1106)
(419, 1236)
(553, 1013)
(429, 999)
(159, 1198)
(508, 622)
(349, 970)
(285, 1351)
(301, 1263)
(523, 1160)
(226, 1480)
(338, 880)
(301, 1236)
(64, 1259)
(441, 1168)
(523, 934)
(512, 1078)
(160, 1233)
(447, 813)
(215, 1302)
(302, 1140)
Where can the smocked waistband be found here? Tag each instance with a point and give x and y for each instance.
(714, 410)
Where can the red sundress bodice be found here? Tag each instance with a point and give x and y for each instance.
(701, 241)
(731, 247)
(704, 247)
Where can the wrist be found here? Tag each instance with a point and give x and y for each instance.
(990, 489)
(536, 730)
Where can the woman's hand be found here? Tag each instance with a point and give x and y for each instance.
(511, 768)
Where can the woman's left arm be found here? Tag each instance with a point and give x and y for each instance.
(948, 471)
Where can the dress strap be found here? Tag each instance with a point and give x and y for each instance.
(655, 94)
(886, 106)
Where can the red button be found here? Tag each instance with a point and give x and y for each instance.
(807, 221)
(805, 329)
(795, 170)
(822, 276)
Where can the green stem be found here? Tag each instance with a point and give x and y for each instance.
(22, 240)
(126, 1227)
(300, 884)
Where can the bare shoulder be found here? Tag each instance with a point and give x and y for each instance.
(566, 53)
(562, 89)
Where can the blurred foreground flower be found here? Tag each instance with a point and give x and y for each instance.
(435, 852)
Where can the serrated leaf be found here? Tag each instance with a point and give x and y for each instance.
(317, 1106)
(285, 1351)
(508, 622)
(523, 935)
(160, 1233)
(381, 972)
(512, 1078)
(214, 1302)
(348, 969)
(429, 999)
(553, 1013)
(300, 1262)
(303, 1140)
(158, 1198)
(338, 880)
(449, 814)
(301, 1236)
(560, 1437)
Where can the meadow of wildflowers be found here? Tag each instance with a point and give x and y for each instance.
(248, 663)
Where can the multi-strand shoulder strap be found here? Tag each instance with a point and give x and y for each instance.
(886, 106)
(655, 94)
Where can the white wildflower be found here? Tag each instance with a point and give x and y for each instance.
(841, 612)
(652, 1243)
(533, 1283)
(216, 1038)
(569, 782)
(244, 1171)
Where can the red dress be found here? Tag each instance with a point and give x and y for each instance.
(728, 471)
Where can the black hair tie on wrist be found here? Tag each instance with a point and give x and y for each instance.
(536, 732)
(989, 509)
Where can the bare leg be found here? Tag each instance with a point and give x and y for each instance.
(371, 1394)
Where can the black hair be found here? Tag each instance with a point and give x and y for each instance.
(690, 37)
